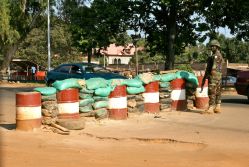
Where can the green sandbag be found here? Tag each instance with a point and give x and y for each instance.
(101, 113)
(86, 109)
(66, 83)
(49, 98)
(100, 104)
(100, 98)
(164, 84)
(104, 92)
(46, 91)
(94, 83)
(133, 83)
(190, 77)
(85, 96)
(135, 90)
(168, 77)
(156, 77)
(85, 90)
(85, 102)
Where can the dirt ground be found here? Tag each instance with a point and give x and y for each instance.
(172, 139)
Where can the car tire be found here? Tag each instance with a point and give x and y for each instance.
(49, 83)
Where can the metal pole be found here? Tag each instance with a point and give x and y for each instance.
(136, 53)
(49, 54)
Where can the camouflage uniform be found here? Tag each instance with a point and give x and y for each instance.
(214, 75)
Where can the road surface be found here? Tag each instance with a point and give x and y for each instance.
(177, 139)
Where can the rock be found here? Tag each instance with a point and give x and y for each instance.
(72, 124)
(132, 103)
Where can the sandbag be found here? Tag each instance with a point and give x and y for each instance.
(133, 83)
(135, 90)
(104, 92)
(66, 83)
(156, 77)
(94, 83)
(85, 102)
(190, 77)
(86, 109)
(100, 104)
(85, 90)
(101, 113)
(145, 77)
(46, 91)
(49, 98)
(164, 84)
(85, 96)
(168, 77)
(100, 98)
(116, 82)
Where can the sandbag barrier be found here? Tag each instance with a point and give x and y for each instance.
(145, 93)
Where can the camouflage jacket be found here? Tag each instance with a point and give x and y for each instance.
(214, 65)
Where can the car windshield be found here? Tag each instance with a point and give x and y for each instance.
(95, 69)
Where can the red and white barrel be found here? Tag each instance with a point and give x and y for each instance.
(68, 103)
(117, 106)
(202, 99)
(151, 97)
(28, 111)
(178, 95)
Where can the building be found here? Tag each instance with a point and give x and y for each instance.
(119, 54)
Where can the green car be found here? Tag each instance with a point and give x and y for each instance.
(80, 70)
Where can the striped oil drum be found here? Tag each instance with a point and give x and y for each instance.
(68, 103)
(202, 99)
(28, 111)
(151, 97)
(117, 105)
(178, 95)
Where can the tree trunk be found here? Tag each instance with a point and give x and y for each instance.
(170, 59)
(8, 52)
(89, 55)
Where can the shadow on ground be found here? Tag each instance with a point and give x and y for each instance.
(8, 126)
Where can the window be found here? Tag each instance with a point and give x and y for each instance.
(64, 69)
(75, 69)
(119, 61)
(115, 61)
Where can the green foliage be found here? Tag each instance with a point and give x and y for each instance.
(185, 67)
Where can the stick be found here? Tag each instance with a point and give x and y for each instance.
(59, 127)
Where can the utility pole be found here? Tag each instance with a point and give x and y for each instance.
(49, 54)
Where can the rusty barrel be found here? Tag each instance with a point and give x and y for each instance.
(68, 103)
(151, 97)
(178, 95)
(28, 111)
(117, 106)
(202, 99)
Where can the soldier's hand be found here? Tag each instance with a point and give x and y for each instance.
(201, 90)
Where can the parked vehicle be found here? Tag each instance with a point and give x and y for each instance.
(242, 84)
(228, 81)
(81, 71)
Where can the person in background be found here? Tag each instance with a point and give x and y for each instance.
(214, 75)
(33, 70)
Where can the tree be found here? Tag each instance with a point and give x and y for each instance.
(18, 18)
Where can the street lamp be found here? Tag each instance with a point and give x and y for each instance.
(49, 54)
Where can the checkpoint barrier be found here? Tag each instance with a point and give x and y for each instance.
(28, 111)
(202, 99)
(178, 95)
(117, 105)
(68, 103)
(151, 97)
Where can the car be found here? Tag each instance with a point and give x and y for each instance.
(228, 80)
(242, 83)
(81, 71)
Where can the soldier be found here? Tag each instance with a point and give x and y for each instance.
(214, 75)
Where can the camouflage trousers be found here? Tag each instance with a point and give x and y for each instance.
(214, 90)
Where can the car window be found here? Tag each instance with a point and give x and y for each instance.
(99, 69)
(75, 70)
(64, 69)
